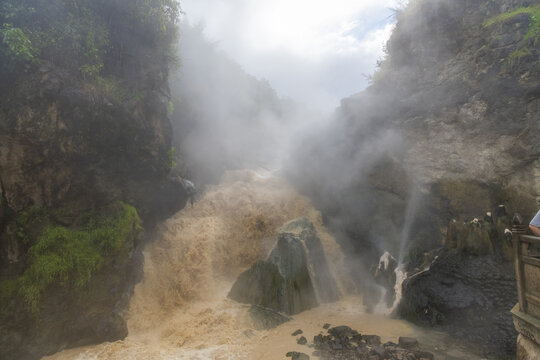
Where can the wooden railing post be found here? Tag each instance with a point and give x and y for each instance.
(519, 229)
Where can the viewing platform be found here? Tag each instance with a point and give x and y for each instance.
(526, 313)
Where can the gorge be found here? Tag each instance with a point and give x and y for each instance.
(297, 220)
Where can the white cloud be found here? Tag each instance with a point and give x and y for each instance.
(312, 50)
(374, 41)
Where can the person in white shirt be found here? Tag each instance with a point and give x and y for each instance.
(534, 225)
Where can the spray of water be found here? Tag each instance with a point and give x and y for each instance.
(410, 214)
(387, 260)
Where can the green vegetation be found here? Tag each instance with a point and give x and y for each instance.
(517, 55)
(534, 14)
(531, 37)
(170, 108)
(28, 220)
(70, 257)
(18, 45)
(84, 36)
(171, 158)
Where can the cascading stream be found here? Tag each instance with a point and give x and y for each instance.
(180, 306)
(180, 311)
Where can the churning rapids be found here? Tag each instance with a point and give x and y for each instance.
(180, 308)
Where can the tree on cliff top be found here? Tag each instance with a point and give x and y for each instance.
(86, 37)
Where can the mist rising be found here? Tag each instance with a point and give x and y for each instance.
(295, 179)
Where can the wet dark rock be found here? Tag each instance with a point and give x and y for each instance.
(467, 296)
(285, 280)
(379, 351)
(344, 343)
(265, 318)
(374, 340)
(342, 333)
(302, 340)
(281, 283)
(170, 197)
(295, 355)
(297, 332)
(260, 285)
(407, 342)
(318, 339)
(320, 274)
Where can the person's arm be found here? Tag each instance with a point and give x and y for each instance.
(535, 230)
(534, 225)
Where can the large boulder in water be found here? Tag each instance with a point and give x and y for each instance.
(323, 281)
(259, 285)
(294, 277)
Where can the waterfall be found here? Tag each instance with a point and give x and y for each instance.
(387, 260)
(179, 310)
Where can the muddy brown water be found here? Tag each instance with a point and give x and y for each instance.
(180, 311)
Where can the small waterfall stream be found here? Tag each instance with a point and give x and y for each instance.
(386, 259)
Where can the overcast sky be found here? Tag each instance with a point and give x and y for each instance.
(315, 51)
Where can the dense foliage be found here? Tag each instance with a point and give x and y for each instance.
(89, 37)
(69, 257)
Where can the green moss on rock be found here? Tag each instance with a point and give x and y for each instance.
(70, 257)
(532, 11)
(530, 39)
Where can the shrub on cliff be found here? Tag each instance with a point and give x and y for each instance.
(530, 39)
(70, 256)
(88, 37)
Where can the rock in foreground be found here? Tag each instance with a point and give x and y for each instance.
(344, 343)
(466, 296)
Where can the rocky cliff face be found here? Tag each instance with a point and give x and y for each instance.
(78, 142)
(448, 129)
(452, 112)
(468, 94)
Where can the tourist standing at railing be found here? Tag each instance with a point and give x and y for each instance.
(535, 224)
